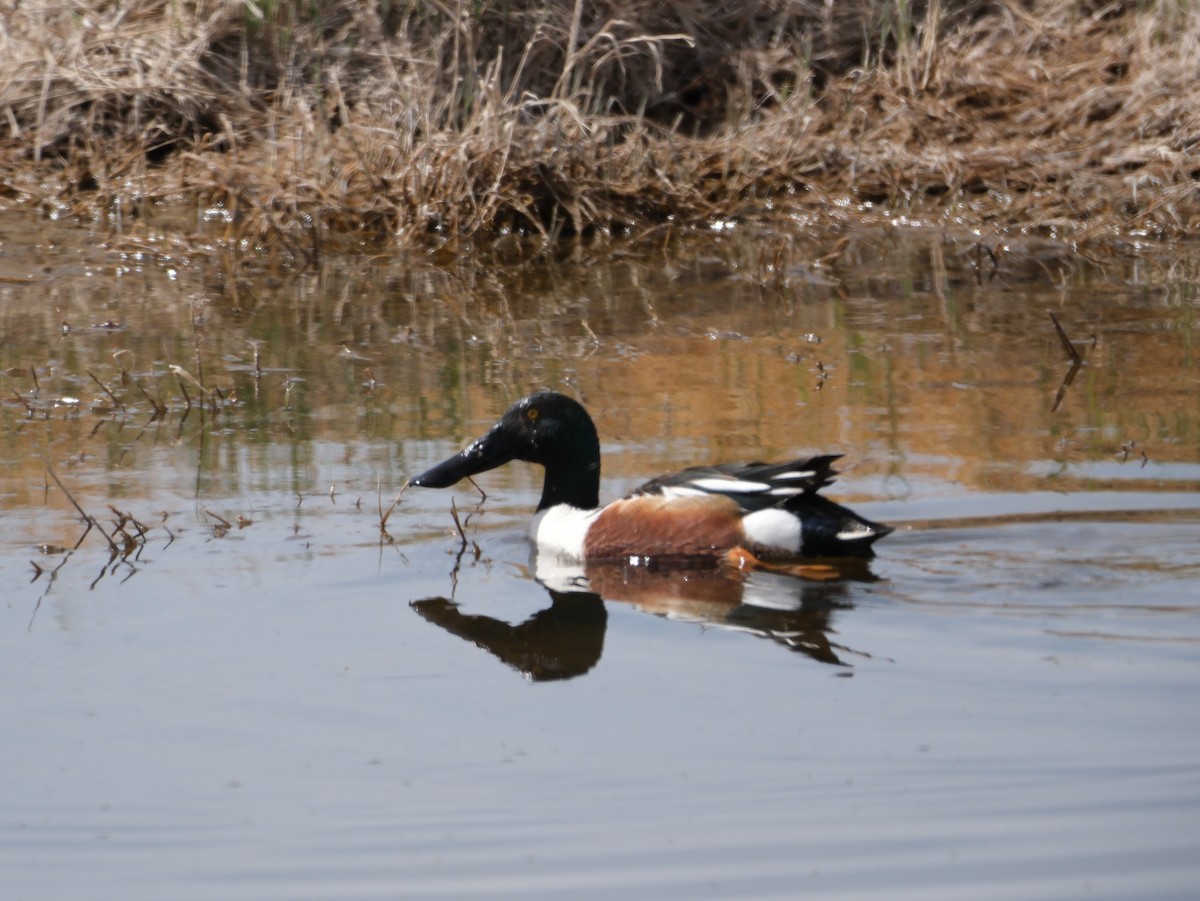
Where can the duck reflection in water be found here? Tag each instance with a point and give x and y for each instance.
(746, 532)
(566, 639)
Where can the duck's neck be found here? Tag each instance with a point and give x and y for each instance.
(577, 486)
(573, 471)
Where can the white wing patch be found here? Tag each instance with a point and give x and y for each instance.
(674, 491)
(795, 474)
(729, 486)
(773, 528)
(859, 532)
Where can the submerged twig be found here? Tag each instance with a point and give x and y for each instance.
(160, 409)
(462, 536)
(1076, 363)
(384, 514)
(103, 387)
(222, 525)
(1066, 342)
(180, 375)
(187, 400)
(483, 496)
(199, 380)
(49, 585)
(87, 517)
(462, 548)
(29, 411)
(221, 519)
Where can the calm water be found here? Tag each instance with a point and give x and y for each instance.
(265, 696)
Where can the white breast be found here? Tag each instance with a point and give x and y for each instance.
(561, 531)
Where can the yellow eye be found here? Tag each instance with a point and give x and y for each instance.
(532, 414)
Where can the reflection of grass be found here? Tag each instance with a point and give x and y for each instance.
(286, 121)
(700, 351)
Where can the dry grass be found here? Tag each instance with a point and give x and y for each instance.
(290, 124)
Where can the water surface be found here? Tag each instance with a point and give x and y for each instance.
(265, 695)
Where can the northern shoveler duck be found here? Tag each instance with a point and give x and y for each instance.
(753, 513)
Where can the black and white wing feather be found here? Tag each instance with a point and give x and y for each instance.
(755, 486)
(782, 512)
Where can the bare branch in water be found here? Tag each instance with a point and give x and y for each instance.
(103, 387)
(1076, 363)
(87, 518)
(1066, 342)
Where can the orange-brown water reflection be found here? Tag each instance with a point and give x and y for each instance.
(921, 358)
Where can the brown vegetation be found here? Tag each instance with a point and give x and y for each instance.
(287, 123)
